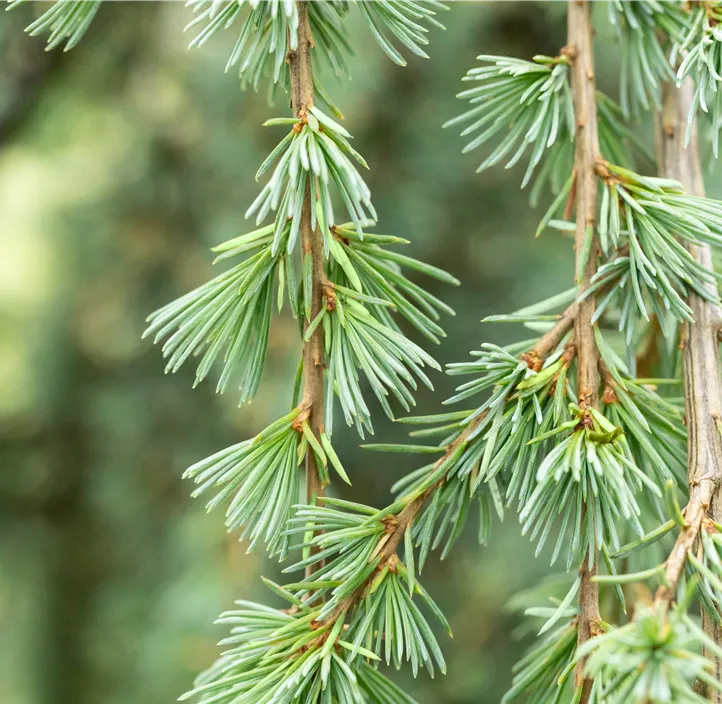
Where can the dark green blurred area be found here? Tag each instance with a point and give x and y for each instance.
(121, 163)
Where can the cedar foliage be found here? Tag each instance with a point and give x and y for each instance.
(567, 428)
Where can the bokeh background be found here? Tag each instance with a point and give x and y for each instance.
(121, 163)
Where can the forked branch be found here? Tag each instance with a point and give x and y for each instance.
(398, 524)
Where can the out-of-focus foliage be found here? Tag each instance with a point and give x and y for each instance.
(588, 471)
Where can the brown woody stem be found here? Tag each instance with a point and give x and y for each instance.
(702, 391)
(579, 49)
(301, 79)
(399, 524)
(548, 342)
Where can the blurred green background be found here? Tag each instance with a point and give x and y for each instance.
(121, 163)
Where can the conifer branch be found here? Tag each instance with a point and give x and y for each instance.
(397, 525)
(703, 393)
(312, 400)
(580, 51)
(350, 287)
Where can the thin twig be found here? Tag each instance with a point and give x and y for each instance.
(548, 342)
(580, 51)
(301, 75)
(702, 391)
(398, 525)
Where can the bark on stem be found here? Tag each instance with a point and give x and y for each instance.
(549, 341)
(585, 160)
(301, 80)
(702, 390)
(580, 51)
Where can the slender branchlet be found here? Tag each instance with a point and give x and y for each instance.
(551, 339)
(312, 401)
(397, 525)
(586, 155)
(702, 390)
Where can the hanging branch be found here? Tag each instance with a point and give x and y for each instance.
(350, 291)
(397, 525)
(301, 74)
(586, 156)
(634, 441)
(703, 393)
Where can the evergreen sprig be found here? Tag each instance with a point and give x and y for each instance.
(260, 479)
(498, 462)
(371, 589)
(281, 657)
(533, 97)
(261, 47)
(444, 518)
(702, 52)
(643, 218)
(66, 21)
(268, 30)
(617, 143)
(388, 621)
(230, 314)
(406, 21)
(447, 487)
(356, 339)
(314, 155)
(656, 658)
(529, 105)
(590, 477)
(654, 428)
(524, 403)
(369, 266)
(229, 317)
(485, 453)
(644, 28)
(260, 50)
(366, 285)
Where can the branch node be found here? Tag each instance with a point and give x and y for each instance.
(532, 360)
(569, 51)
